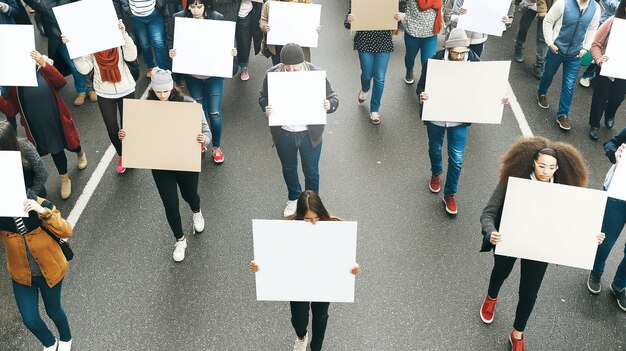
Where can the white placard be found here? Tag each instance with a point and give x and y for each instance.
(90, 25)
(484, 16)
(300, 261)
(12, 185)
(615, 67)
(617, 188)
(210, 56)
(551, 222)
(297, 98)
(17, 68)
(294, 23)
(453, 98)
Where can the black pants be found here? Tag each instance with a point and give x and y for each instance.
(300, 321)
(109, 109)
(276, 58)
(166, 182)
(532, 273)
(607, 97)
(60, 160)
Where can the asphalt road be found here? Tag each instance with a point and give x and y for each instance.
(423, 278)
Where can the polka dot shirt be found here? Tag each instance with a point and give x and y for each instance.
(371, 40)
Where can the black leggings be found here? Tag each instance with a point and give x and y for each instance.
(531, 276)
(60, 160)
(109, 109)
(607, 97)
(300, 321)
(166, 182)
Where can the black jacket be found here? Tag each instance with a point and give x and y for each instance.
(612, 145)
(169, 41)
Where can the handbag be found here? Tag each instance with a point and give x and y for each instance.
(64, 244)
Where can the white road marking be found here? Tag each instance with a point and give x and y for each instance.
(519, 114)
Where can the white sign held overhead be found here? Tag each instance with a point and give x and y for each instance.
(300, 261)
(452, 98)
(297, 98)
(208, 57)
(550, 222)
(484, 16)
(17, 68)
(615, 67)
(90, 25)
(294, 23)
(12, 185)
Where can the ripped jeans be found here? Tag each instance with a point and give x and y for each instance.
(208, 92)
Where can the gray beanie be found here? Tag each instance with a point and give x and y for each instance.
(457, 38)
(291, 54)
(161, 79)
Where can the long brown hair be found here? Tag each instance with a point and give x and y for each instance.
(176, 95)
(518, 161)
(310, 201)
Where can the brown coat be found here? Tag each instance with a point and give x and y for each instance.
(543, 6)
(265, 15)
(44, 249)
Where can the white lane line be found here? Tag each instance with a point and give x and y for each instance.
(519, 114)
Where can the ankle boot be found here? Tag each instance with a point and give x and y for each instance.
(82, 160)
(66, 186)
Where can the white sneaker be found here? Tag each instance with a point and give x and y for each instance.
(291, 208)
(179, 250)
(65, 345)
(586, 82)
(54, 347)
(198, 222)
(362, 97)
(300, 344)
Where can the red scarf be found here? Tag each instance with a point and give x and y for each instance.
(436, 5)
(107, 61)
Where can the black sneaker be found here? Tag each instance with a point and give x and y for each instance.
(593, 283)
(408, 77)
(518, 56)
(593, 133)
(620, 296)
(609, 123)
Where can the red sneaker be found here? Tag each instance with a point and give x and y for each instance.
(218, 156)
(486, 311)
(450, 204)
(119, 167)
(434, 184)
(203, 149)
(516, 344)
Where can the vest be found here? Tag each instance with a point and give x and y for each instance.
(574, 27)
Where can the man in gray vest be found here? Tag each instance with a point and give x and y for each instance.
(569, 29)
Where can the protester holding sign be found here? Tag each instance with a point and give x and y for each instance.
(309, 209)
(149, 28)
(541, 160)
(37, 265)
(205, 90)
(113, 83)
(46, 119)
(168, 182)
(374, 48)
(290, 139)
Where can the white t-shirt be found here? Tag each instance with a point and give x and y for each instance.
(245, 8)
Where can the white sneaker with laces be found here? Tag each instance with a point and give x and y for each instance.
(291, 208)
(586, 82)
(65, 345)
(198, 222)
(362, 96)
(300, 344)
(53, 347)
(179, 250)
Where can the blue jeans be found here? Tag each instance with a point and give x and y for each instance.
(456, 146)
(150, 32)
(27, 299)
(590, 72)
(612, 225)
(82, 83)
(571, 66)
(477, 48)
(208, 92)
(374, 65)
(413, 45)
(287, 146)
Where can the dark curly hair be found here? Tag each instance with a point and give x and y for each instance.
(518, 161)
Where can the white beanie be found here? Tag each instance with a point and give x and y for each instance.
(161, 79)
(457, 38)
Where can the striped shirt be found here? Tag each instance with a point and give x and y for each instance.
(21, 228)
(142, 8)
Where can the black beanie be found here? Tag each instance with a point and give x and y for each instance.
(291, 54)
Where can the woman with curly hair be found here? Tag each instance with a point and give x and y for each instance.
(541, 160)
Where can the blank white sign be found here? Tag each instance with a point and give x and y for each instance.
(454, 97)
(617, 188)
(90, 25)
(484, 16)
(210, 56)
(12, 185)
(294, 23)
(297, 98)
(616, 51)
(551, 223)
(17, 68)
(300, 261)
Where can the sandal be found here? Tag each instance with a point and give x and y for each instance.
(375, 117)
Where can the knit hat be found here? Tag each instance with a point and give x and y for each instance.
(291, 54)
(161, 79)
(457, 38)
